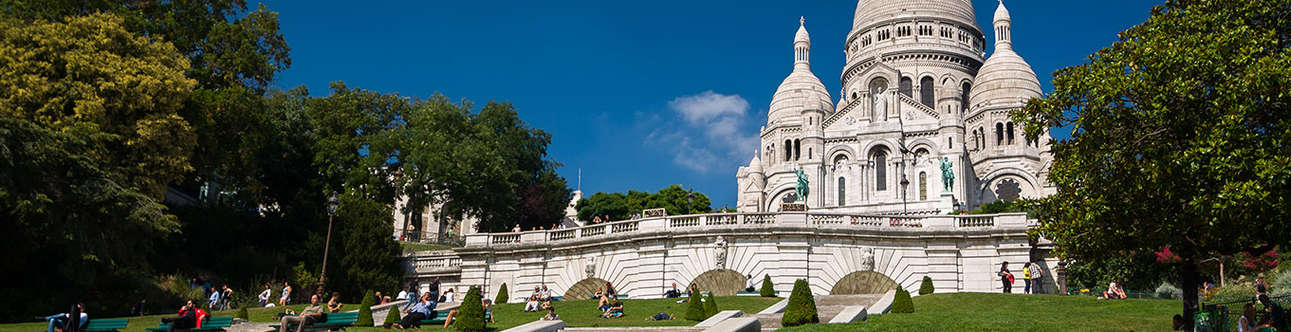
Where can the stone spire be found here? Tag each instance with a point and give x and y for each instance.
(1003, 28)
(802, 45)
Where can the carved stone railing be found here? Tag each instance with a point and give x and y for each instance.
(688, 224)
(432, 262)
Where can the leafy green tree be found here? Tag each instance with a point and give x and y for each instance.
(675, 199)
(470, 316)
(925, 287)
(710, 306)
(695, 306)
(368, 257)
(768, 289)
(902, 304)
(92, 78)
(1179, 139)
(365, 310)
(502, 295)
(802, 306)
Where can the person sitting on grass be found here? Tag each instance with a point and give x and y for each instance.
(604, 304)
(672, 293)
(615, 311)
(488, 315)
(600, 292)
(423, 308)
(59, 322)
(531, 304)
(545, 294)
(551, 314)
(312, 314)
(1114, 291)
(264, 296)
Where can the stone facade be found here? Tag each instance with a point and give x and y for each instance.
(643, 258)
(916, 89)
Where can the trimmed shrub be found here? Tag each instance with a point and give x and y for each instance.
(470, 316)
(695, 309)
(926, 287)
(392, 317)
(902, 304)
(1168, 291)
(502, 295)
(242, 314)
(768, 289)
(710, 306)
(802, 306)
(365, 310)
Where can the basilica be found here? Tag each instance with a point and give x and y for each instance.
(921, 125)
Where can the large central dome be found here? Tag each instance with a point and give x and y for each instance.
(871, 12)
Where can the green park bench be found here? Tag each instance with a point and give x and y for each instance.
(210, 324)
(744, 293)
(557, 298)
(106, 325)
(336, 321)
(439, 318)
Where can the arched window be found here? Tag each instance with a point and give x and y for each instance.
(842, 191)
(797, 149)
(999, 134)
(881, 171)
(907, 87)
(923, 186)
(925, 92)
(963, 96)
(981, 138)
(1010, 133)
(809, 153)
(788, 150)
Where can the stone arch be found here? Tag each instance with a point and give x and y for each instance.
(863, 282)
(721, 282)
(584, 289)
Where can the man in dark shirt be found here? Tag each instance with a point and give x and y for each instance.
(1274, 310)
(434, 289)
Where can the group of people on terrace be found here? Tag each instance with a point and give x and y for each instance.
(1032, 275)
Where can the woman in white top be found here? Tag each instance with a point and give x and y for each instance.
(286, 294)
(264, 296)
(448, 296)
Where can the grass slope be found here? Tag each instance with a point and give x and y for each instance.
(999, 312)
(580, 313)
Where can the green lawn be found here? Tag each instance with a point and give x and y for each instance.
(582, 313)
(996, 312)
(414, 246)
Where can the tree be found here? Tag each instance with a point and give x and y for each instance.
(901, 303)
(768, 289)
(502, 295)
(92, 78)
(802, 306)
(365, 310)
(470, 316)
(695, 307)
(675, 199)
(392, 317)
(710, 306)
(368, 257)
(925, 287)
(1179, 139)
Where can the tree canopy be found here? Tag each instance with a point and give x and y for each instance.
(1180, 138)
(620, 206)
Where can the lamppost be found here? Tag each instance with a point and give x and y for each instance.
(332, 204)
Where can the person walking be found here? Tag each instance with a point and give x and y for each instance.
(1037, 278)
(1006, 278)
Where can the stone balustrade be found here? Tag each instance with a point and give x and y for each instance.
(822, 221)
(433, 262)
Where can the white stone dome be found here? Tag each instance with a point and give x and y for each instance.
(802, 90)
(1005, 79)
(755, 165)
(870, 12)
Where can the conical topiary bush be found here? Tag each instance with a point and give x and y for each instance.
(802, 306)
(470, 316)
(710, 306)
(902, 304)
(695, 309)
(926, 288)
(768, 289)
(365, 310)
(502, 294)
(392, 317)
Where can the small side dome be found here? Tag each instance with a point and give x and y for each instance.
(755, 165)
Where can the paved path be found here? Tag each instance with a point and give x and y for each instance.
(827, 307)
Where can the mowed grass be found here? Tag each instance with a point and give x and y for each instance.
(143, 322)
(581, 313)
(1007, 312)
(414, 247)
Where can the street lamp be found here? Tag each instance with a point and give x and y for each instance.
(332, 204)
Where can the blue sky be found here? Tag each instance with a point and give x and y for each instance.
(639, 95)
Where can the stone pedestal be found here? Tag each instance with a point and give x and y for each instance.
(946, 204)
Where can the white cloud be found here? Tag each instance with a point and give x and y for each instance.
(708, 134)
(709, 105)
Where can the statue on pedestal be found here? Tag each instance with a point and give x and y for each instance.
(867, 259)
(947, 174)
(801, 189)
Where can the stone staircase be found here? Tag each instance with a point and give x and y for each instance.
(827, 307)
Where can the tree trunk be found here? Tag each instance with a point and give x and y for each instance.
(1188, 274)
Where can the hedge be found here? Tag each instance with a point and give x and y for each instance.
(710, 306)
(502, 295)
(802, 306)
(695, 309)
(365, 310)
(470, 316)
(392, 317)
